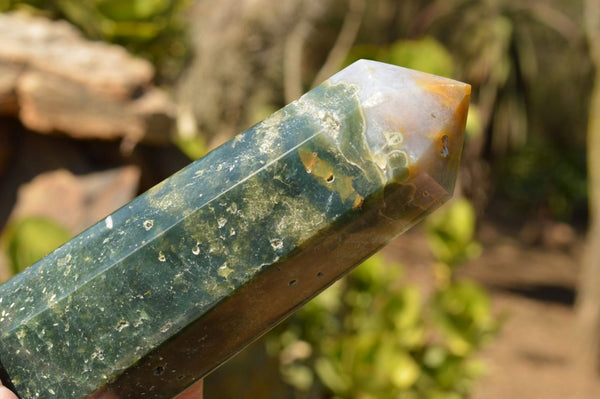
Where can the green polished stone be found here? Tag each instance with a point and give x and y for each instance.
(156, 295)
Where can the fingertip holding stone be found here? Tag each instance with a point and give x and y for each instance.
(196, 391)
(5, 393)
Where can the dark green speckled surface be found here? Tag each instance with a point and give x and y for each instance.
(159, 293)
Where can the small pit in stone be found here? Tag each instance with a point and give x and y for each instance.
(445, 150)
(196, 249)
(122, 324)
(159, 370)
(292, 283)
(330, 178)
(277, 244)
(320, 274)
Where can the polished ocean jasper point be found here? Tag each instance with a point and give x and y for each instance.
(156, 295)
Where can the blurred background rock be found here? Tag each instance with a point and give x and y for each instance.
(102, 99)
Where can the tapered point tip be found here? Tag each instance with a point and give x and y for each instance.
(424, 114)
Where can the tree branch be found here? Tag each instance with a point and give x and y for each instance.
(344, 41)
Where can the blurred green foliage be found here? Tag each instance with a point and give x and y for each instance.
(372, 336)
(194, 147)
(531, 106)
(29, 239)
(425, 54)
(542, 175)
(532, 116)
(451, 232)
(153, 29)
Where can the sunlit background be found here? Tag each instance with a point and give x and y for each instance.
(494, 296)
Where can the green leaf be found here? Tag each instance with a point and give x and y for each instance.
(29, 239)
(426, 54)
(404, 307)
(194, 147)
(404, 372)
(133, 10)
(134, 31)
(367, 52)
(462, 311)
(373, 274)
(299, 376)
(331, 376)
(451, 231)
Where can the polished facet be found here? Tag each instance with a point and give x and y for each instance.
(156, 295)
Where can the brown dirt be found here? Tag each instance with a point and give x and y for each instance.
(533, 286)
